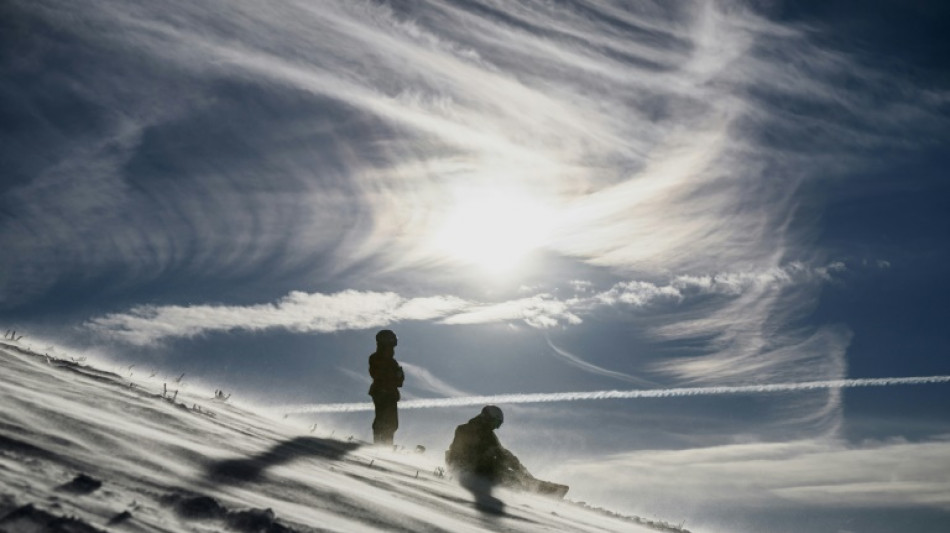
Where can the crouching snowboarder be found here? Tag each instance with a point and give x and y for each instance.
(475, 450)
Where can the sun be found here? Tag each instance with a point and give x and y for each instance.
(494, 231)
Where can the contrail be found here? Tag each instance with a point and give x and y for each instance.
(617, 394)
(589, 367)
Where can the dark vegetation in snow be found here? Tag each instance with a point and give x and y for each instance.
(81, 484)
(198, 507)
(30, 519)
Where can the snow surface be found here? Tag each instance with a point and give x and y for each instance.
(82, 449)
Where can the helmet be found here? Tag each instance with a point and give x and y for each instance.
(494, 414)
(386, 337)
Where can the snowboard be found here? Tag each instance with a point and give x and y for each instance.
(545, 488)
(526, 482)
(555, 490)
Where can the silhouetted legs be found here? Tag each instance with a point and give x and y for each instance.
(387, 419)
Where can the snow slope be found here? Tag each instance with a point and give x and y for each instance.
(83, 449)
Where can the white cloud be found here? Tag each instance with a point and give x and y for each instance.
(431, 308)
(580, 285)
(823, 472)
(638, 294)
(298, 312)
(541, 311)
(322, 313)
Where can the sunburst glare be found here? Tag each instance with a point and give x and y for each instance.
(494, 230)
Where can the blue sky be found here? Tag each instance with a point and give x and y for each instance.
(538, 197)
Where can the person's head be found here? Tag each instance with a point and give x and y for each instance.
(386, 339)
(493, 415)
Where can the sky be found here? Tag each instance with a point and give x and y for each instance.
(538, 197)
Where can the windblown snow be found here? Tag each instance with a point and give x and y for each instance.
(82, 449)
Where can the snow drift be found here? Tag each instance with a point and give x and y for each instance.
(83, 450)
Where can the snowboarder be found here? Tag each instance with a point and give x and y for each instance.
(476, 450)
(387, 378)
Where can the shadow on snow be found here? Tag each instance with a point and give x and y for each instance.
(252, 468)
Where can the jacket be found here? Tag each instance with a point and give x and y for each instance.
(475, 448)
(387, 375)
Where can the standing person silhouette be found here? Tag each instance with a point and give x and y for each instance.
(387, 378)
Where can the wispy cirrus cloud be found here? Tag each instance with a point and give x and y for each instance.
(316, 139)
(424, 379)
(594, 369)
